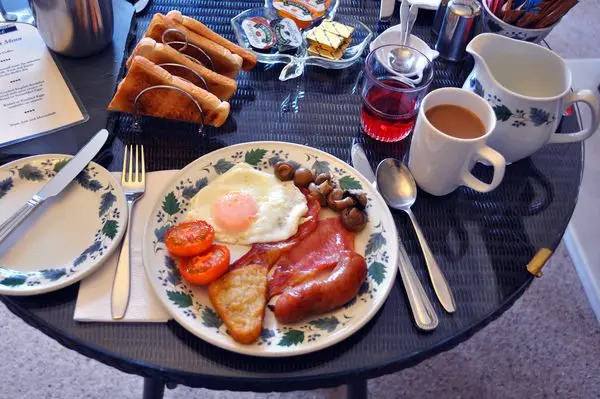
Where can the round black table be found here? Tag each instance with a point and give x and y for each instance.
(482, 242)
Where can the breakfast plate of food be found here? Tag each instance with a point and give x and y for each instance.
(271, 249)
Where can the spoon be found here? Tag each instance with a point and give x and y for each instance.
(402, 60)
(404, 13)
(404, 65)
(423, 313)
(412, 17)
(399, 190)
(407, 67)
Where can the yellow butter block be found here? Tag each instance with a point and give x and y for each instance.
(321, 52)
(337, 28)
(324, 39)
(326, 53)
(343, 47)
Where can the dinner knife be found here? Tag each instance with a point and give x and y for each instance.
(57, 184)
(422, 309)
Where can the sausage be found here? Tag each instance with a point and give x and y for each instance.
(320, 296)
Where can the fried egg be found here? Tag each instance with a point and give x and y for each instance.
(247, 206)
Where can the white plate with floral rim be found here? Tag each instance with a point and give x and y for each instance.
(191, 306)
(68, 236)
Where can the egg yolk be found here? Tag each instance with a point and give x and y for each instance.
(235, 211)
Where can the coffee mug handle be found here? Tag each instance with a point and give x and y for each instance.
(587, 97)
(496, 160)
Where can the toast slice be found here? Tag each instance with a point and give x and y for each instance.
(249, 58)
(159, 53)
(168, 104)
(240, 298)
(226, 63)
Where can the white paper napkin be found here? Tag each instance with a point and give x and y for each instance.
(93, 301)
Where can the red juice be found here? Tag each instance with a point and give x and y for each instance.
(388, 115)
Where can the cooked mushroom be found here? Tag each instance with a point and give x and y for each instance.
(303, 177)
(335, 195)
(324, 189)
(322, 177)
(360, 199)
(338, 200)
(315, 192)
(284, 170)
(354, 219)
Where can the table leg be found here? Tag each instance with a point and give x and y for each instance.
(153, 389)
(357, 389)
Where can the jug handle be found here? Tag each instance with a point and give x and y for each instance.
(587, 97)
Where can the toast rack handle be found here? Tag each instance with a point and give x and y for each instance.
(136, 114)
(184, 45)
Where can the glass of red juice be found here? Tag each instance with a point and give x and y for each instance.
(391, 99)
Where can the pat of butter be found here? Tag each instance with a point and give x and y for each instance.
(324, 39)
(337, 29)
(327, 53)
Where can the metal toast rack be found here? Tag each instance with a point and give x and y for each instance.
(183, 72)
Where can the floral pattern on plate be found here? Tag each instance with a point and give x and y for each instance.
(38, 170)
(191, 306)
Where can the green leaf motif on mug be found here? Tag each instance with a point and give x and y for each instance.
(502, 112)
(14, 281)
(538, 116)
(53, 274)
(494, 27)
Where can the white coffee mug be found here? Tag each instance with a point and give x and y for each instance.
(441, 163)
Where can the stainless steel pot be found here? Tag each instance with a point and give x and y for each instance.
(76, 28)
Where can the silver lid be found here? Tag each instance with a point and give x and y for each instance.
(439, 17)
(458, 28)
(465, 8)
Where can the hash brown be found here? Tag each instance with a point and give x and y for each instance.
(240, 298)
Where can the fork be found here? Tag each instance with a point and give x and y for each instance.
(134, 185)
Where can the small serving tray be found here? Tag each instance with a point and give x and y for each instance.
(297, 60)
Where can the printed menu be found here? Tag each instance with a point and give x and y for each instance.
(34, 97)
